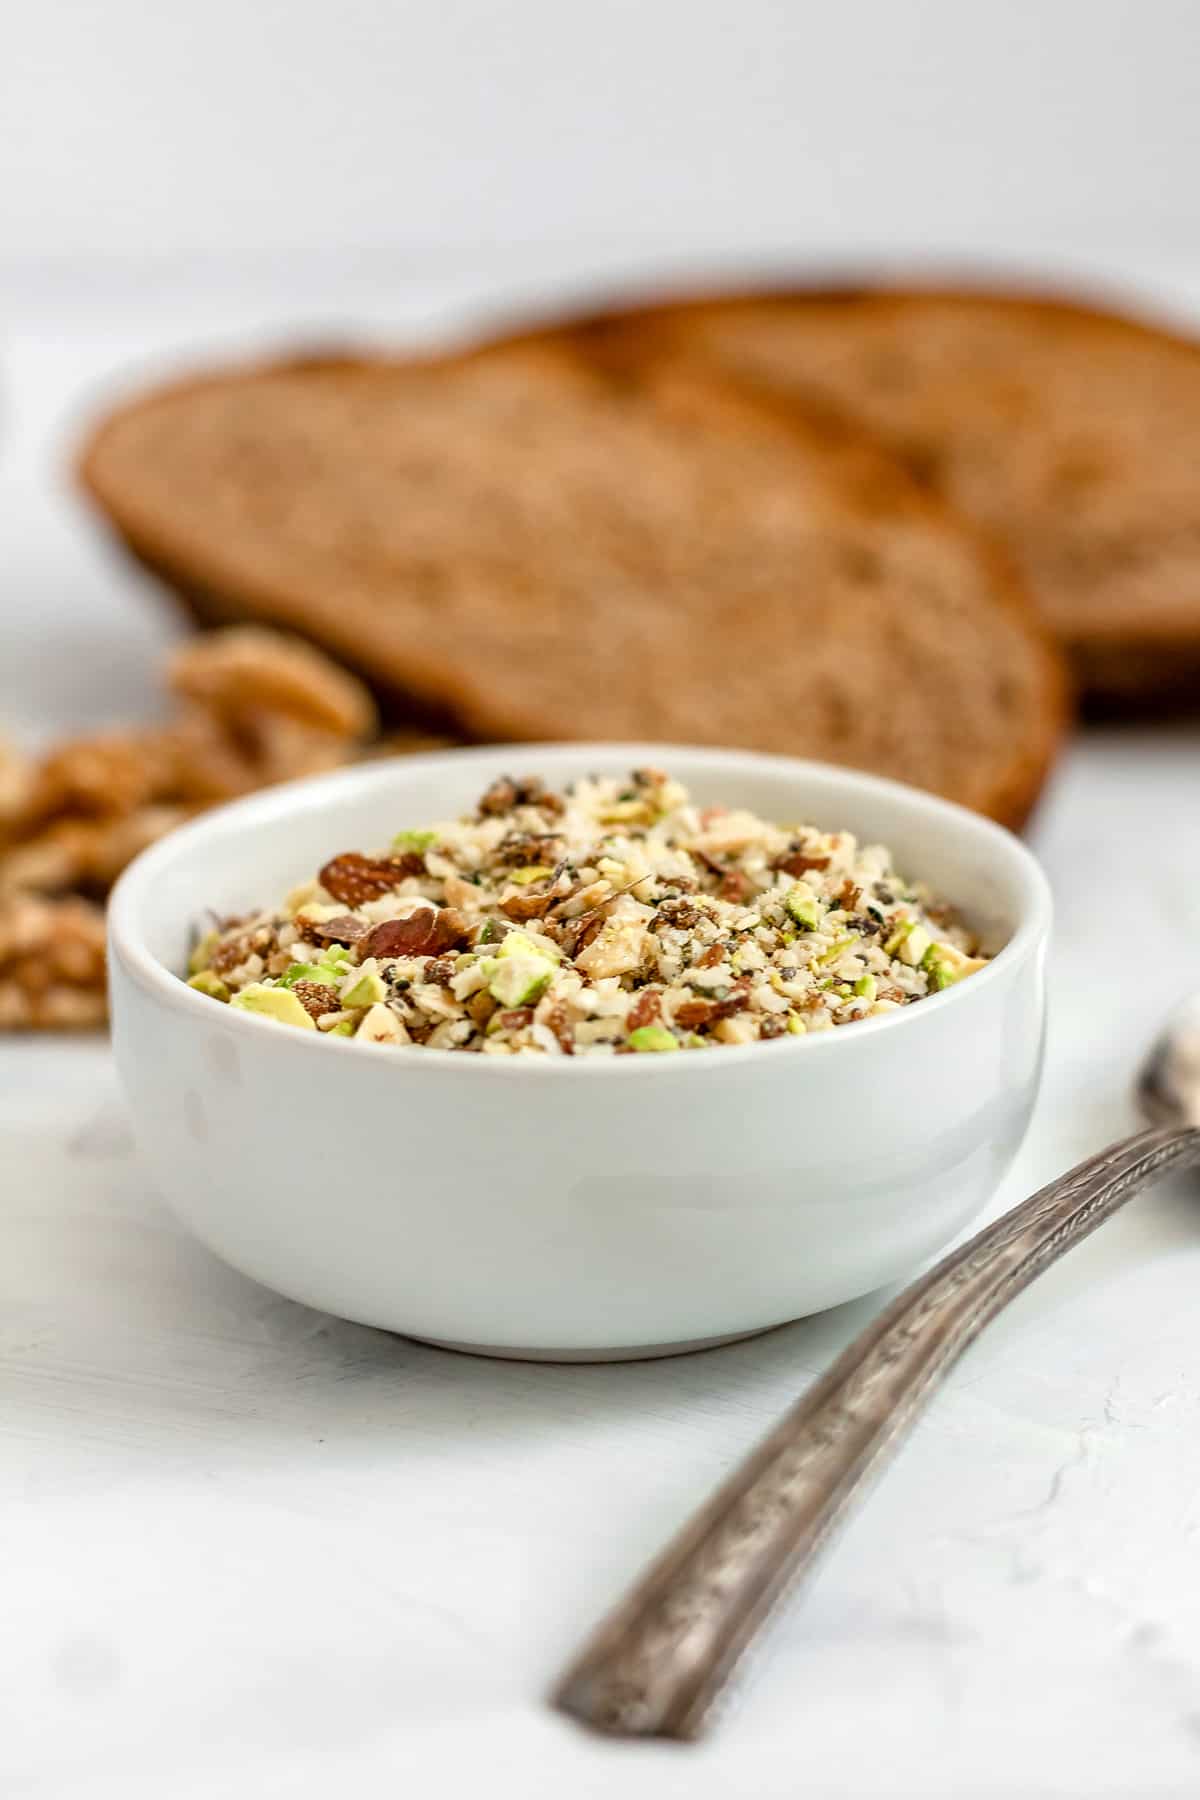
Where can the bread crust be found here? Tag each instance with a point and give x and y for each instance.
(1125, 656)
(203, 570)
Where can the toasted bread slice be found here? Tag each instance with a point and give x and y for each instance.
(546, 547)
(1073, 434)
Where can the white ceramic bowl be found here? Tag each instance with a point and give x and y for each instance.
(608, 1207)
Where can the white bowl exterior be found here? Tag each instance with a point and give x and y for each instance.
(583, 1206)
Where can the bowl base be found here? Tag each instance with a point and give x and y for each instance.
(621, 1353)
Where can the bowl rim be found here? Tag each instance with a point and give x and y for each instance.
(320, 792)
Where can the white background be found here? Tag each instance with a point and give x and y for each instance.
(671, 126)
(254, 1554)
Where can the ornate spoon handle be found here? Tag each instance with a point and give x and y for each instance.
(655, 1665)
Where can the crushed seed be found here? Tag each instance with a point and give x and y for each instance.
(640, 924)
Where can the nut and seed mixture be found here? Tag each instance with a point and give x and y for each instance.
(613, 918)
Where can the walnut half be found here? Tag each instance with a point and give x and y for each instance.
(51, 964)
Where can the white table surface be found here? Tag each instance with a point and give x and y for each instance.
(249, 1550)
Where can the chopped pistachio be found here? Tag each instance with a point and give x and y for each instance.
(916, 943)
(301, 971)
(653, 1037)
(366, 990)
(803, 906)
(334, 963)
(520, 943)
(516, 980)
(205, 982)
(697, 903)
(202, 952)
(273, 1003)
(946, 963)
(898, 934)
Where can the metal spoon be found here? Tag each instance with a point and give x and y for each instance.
(656, 1665)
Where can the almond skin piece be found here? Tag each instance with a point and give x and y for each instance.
(798, 864)
(521, 907)
(693, 1015)
(346, 930)
(645, 1009)
(426, 932)
(354, 879)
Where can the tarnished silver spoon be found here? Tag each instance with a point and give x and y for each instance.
(656, 1665)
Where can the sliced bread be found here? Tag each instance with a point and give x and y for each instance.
(547, 547)
(1073, 434)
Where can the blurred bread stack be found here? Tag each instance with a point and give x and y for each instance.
(585, 534)
(889, 528)
(1072, 435)
(859, 526)
(406, 498)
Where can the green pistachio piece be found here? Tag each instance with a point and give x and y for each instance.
(916, 943)
(865, 987)
(366, 991)
(803, 906)
(202, 951)
(414, 840)
(899, 932)
(520, 971)
(300, 971)
(517, 980)
(273, 1003)
(653, 1037)
(530, 873)
(205, 982)
(519, 943)
(946, 963)
(331, 968)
